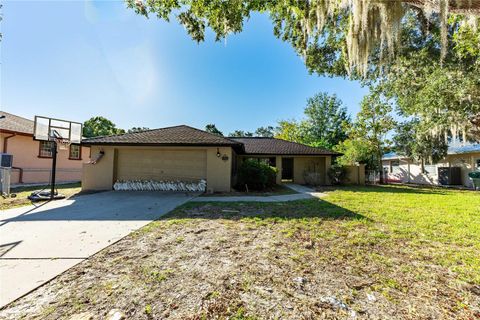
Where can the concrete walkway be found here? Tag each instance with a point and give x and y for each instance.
(37, 243)
(303, 193)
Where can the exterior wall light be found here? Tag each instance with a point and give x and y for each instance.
(218, 153)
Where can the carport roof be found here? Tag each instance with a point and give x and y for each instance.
(273, 146)
(170, 136)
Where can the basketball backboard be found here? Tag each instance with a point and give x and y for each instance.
(48, 129)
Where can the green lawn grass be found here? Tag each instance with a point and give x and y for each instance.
(442, 225)
(21, 194)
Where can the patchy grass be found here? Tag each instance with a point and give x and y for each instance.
(22, 193)
(276, 190)
(372, 252)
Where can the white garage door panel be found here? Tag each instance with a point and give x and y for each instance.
(161, 164)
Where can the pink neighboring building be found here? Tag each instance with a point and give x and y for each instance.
(32, 160)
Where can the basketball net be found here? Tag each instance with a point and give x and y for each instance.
(62, 144)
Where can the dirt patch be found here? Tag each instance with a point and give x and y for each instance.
(212, 261)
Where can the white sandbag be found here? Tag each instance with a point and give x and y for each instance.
(152, 185)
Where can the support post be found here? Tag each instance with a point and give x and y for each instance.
(54, 170)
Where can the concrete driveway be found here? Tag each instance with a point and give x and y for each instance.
(39, 242)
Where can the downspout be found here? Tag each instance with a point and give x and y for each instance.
(20, 175)
(5, 142)
(5, 147)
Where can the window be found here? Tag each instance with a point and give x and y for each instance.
(477, 164)
(75, 152)
(45, 150)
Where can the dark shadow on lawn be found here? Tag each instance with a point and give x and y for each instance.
(300, 209)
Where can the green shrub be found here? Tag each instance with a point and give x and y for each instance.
(337, 174)
(256, 175)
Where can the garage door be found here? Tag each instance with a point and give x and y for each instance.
(158, 164)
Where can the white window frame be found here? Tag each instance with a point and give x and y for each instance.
(45, 149)
(79, 151)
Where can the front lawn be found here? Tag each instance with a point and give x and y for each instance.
(21, 194)
(276, 190)
(372, 252)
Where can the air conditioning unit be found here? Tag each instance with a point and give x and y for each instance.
(6, 160)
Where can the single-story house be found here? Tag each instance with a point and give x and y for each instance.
(32, 160)
(183, 153)
(400, 169)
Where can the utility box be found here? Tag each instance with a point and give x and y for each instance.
(449, 176)
(6, 160)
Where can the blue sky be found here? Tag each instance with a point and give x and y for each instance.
(78, 59)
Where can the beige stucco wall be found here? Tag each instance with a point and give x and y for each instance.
(303, 164)
(99, 176)
(328, 165)
(219, 172)
(35, 169)
(410, 171)
(102, 175)
(355, 174)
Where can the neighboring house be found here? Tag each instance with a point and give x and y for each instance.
(188, 154)
(32, 160)
(403, 170)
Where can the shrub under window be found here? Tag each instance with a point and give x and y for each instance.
(255, 175)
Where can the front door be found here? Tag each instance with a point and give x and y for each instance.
(287, 168)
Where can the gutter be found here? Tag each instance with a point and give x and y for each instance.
(5, 147)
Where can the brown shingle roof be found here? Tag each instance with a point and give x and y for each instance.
(187, 136)
(15, 123)
(178, 135)
(272, 146)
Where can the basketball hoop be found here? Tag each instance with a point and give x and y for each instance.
(62, 133)
(62, 144)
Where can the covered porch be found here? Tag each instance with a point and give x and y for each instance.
(299, 169)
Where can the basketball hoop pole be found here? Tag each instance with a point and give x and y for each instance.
(54, 169)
